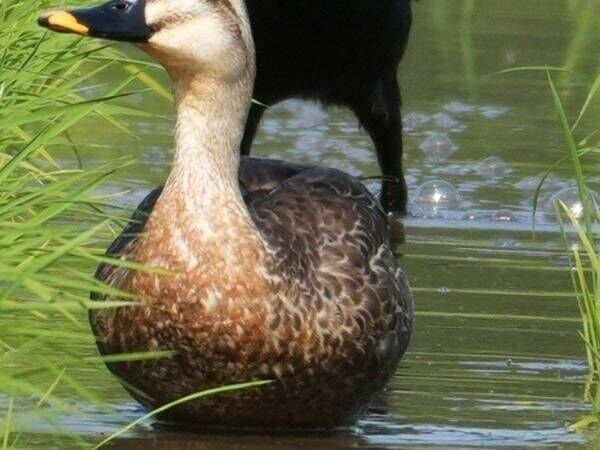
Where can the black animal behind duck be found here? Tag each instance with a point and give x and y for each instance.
(276, 271)
(341, 52)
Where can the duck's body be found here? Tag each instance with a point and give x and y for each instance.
(318, 309)
(342, 52)
(277, 272)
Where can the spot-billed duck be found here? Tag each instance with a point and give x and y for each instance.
(275, 271)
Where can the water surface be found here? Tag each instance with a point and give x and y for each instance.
(495, 361)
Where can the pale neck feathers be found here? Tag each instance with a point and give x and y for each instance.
(201, 204)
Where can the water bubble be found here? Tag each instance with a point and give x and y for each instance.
(458, 107)
(452, 169)
(308, 115)
(571, 200)
(412, 121)
(437, 196)
(493, 167)
(438, 147)
(446, 121)
(504, 215)
(474, 215)
(532, 183)
(310, 145)
(492, 112)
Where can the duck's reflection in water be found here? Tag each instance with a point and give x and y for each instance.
(173, 439)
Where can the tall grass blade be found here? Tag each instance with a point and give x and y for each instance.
(186, 399)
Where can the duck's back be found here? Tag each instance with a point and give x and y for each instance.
(329, 238)
(325, 48)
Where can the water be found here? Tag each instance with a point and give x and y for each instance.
(495, 361)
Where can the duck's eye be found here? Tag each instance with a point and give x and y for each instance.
(120, 6)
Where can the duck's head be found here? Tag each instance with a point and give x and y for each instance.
(185, 36)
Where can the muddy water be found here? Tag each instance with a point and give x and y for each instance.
(496, 360)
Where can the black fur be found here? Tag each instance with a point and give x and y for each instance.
(343, 52)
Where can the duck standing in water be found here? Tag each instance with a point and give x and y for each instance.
(277, 272)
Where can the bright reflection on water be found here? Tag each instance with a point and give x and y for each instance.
(495, 360)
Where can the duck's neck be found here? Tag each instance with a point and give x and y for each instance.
(211, 116)
(201, 203)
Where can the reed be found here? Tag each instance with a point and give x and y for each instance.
(54, 227)
(53, 224)
(585, 254)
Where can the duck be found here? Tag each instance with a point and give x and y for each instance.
(257, 269)
(337, 52)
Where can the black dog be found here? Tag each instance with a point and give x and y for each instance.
(343, 52)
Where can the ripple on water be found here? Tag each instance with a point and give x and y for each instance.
(500, 216)
(392, 435)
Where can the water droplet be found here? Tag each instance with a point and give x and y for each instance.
(570, 198)
(435, 196)
(493, 167)
(438, 147)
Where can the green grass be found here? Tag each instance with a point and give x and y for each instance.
(53, 224)
(585, 256)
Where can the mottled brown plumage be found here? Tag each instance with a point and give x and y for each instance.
(328, 317)
(275, 271)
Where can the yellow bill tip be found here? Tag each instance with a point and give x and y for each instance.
(63, 21)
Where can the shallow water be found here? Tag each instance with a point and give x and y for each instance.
(496, 360)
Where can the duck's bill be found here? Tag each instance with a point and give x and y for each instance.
(118, 20)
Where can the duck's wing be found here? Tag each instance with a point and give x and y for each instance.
(330, 236)
(124, 243)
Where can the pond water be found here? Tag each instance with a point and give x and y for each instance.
(496, 360)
